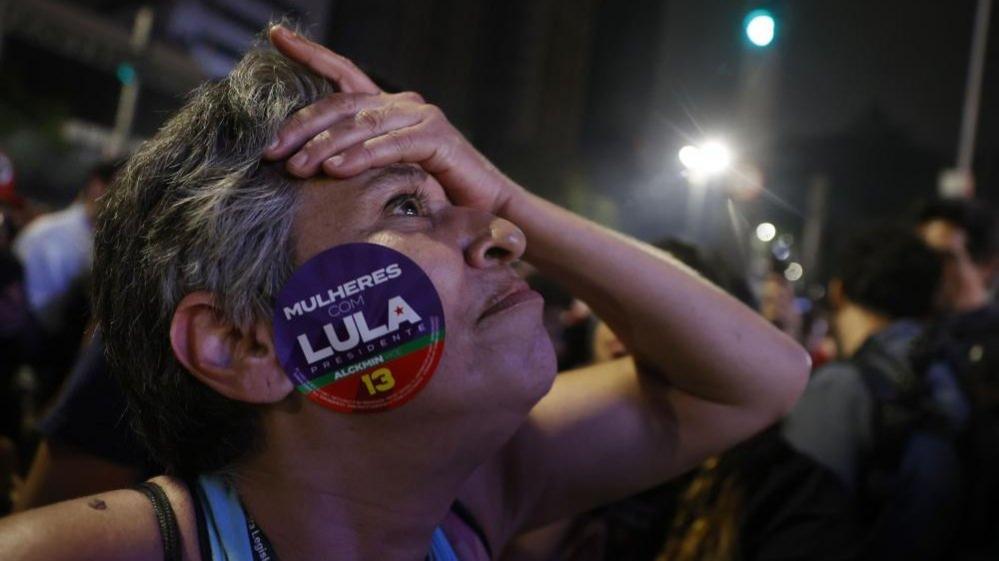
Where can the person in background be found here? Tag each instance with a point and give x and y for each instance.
(567, 320)
(14, 322)
(17, 210)
(606, 345)
(778, 306)
(57, 252)
(57, 249)
(883, 421)
(15, 327)
(88, 444)
(818, 337)
(964, 232)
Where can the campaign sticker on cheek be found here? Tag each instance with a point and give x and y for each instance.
(359, 328)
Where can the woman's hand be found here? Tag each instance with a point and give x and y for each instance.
(347, 133)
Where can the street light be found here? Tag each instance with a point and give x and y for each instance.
(702, 163)
(125, 73)
(710, 158)
(690, 157)
(761, 27)
(716, 157)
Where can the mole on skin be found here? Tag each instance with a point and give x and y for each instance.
(97, 504)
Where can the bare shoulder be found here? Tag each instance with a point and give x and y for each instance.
(113, 525)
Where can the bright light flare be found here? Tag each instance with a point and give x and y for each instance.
(794, 272)
(716, 157)
(766, 232)
(690, 157)
(761, 28)
(710, 158)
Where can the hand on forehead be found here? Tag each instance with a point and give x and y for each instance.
(361, 128)
(322, 61)
(326, 128)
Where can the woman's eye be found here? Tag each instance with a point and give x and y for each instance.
(406, 205)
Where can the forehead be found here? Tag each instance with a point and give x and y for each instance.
(336, 211)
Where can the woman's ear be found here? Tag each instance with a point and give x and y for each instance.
(238, 362)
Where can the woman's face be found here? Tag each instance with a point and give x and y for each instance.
(497, 354)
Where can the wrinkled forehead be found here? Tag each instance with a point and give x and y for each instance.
(334, 211)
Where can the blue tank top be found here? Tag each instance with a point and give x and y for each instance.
(228, 534)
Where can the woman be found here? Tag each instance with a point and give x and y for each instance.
(200, 238)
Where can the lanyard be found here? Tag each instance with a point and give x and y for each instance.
(260, 546)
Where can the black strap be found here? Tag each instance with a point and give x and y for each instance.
(197, 496)
(462, 512)
(169, 530)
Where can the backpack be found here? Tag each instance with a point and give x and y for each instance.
(909, 485)
(971, 343)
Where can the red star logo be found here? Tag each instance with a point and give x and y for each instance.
(398, 310)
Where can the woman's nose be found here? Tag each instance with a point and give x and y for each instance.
(490, 240)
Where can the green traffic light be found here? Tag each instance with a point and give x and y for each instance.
(761, 27)
(125, 73)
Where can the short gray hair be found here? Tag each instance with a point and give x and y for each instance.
(195, 209)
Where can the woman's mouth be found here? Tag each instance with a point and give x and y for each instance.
(516, 294)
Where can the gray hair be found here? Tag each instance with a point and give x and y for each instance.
(195, 209)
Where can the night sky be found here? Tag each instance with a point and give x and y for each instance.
(838, 59)
(867, 94)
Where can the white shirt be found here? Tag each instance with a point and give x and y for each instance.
(55, 249)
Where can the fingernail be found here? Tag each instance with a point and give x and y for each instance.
(299, 160)
(274, 144)
(335, 160)
(288, 33)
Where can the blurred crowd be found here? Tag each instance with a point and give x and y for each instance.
(892, 453)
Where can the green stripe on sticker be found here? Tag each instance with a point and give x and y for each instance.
(331, 376)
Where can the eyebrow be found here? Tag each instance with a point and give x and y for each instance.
(393, 175)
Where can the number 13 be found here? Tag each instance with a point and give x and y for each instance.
(380, 380)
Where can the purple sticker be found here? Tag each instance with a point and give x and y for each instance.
(359, 327)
